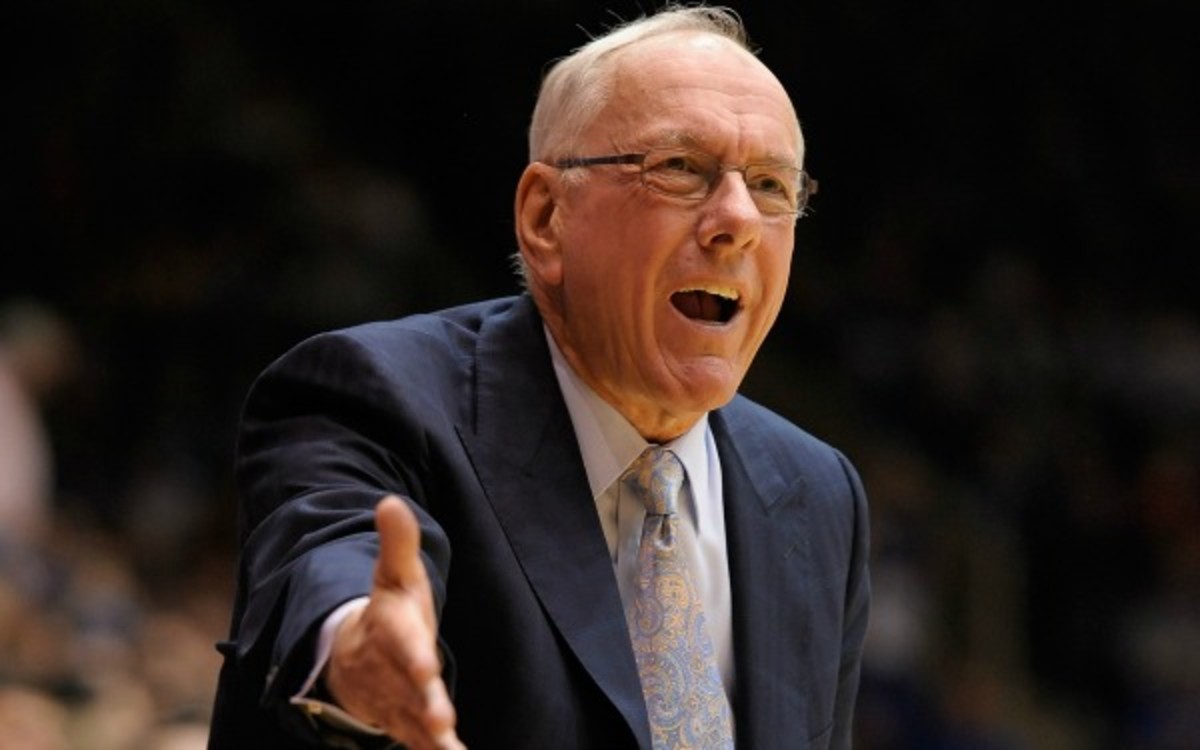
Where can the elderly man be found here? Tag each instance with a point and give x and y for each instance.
(587, 539)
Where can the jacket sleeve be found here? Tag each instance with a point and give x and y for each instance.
(326, 432)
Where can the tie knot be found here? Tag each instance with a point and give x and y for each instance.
(656, 477)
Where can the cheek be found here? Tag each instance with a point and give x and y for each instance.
(598, 299)
(777, 283)
(621, 265)
(775, 272)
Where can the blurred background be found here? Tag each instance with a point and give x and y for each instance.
(993, 311)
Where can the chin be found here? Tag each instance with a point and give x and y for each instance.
(707, 388)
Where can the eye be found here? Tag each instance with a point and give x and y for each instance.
(677, 162)
(769, 184)
(778, 185)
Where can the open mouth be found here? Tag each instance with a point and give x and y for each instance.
(711, 305)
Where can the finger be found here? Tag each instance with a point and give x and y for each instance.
(417, 732)
(399, 564)
(400, 570)
(448, 740)
(406, 727)
(438, 710)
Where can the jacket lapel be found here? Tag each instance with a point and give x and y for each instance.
(768, 561)
(524, 452)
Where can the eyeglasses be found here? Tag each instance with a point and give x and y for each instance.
(777, 189)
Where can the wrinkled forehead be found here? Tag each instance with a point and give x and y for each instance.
(656, 78)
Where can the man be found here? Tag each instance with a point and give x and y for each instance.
(655, 224)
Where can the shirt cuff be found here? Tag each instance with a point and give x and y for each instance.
(306, 700)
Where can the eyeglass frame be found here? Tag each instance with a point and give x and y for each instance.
(806, 188)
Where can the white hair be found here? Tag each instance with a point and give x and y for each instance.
(578, 86)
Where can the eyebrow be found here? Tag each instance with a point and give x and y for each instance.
(677, 138)
(684, 139)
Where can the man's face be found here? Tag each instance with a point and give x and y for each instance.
(662, 303)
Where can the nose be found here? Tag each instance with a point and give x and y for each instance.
(730, 220)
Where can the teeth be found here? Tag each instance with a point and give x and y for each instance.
(724, 292)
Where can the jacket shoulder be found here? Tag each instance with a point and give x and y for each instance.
(419, 350)
(785, 451)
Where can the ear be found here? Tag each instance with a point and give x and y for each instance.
(537, 218)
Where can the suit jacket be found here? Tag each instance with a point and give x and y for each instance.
(460, 412)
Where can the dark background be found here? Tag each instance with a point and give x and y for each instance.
(993, 308)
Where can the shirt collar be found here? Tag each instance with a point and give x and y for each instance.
(609, 443)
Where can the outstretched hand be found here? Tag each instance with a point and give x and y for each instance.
(384, 668)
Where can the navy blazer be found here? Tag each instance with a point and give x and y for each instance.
(460, 412)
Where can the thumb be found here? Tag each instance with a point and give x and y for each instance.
(399, 565)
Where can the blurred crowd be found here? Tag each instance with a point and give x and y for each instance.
(1034, 475)
(99, 649)
(992, 312)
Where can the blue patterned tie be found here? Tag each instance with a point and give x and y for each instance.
(675, 656)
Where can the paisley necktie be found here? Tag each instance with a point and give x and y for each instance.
(676, 660)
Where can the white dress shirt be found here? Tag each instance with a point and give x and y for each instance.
(609, 444)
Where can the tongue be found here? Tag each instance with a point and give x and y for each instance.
(698, 305)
